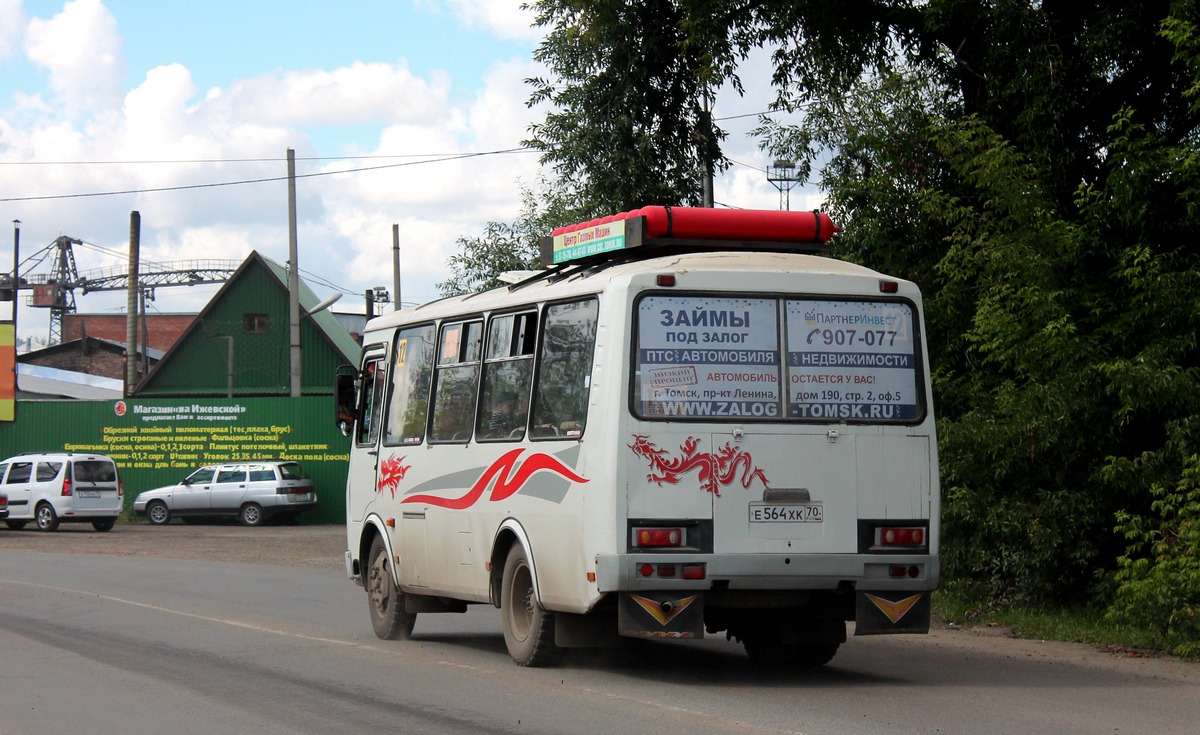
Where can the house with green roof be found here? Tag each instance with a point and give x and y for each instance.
(239, 344)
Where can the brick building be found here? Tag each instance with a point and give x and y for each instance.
(88, 355)
(162, 329)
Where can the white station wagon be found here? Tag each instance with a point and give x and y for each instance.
(250, 491)
(61, 487)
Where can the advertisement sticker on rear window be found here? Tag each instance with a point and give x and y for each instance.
(851, 360)
(703, 356)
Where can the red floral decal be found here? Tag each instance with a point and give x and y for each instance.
(717, 469)
(391, 472)
(509, 476)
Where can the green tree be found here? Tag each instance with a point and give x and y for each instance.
(628, 125)
(1030, 164)
(509, 247)
(1032, 167)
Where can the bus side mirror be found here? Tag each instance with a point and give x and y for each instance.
(346, 407)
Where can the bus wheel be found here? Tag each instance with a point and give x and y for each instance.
(384, 599)
(816, 654)
(528, 629)
(764, 653)
(765, 644)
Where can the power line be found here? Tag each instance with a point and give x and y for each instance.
(241, 182)
(321, 280)
(750, 114)
(225, 160)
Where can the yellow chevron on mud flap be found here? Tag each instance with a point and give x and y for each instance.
(893, 610)
(654, 607)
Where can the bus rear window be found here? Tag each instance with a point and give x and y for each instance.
(731, 358)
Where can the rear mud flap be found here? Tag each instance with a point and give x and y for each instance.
(877, 613)
(661, 615)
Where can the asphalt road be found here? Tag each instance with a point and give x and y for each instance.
(119, 644)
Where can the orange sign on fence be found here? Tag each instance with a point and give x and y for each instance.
(8, 371)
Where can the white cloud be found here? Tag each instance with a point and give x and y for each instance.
(505, 18)
(498, 115)
(12, 23)
(81, 48)
(350, 95)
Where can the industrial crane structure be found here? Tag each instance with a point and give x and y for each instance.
(54, 288)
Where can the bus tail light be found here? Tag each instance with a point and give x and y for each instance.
(900, 536)
(665, 280)
(671, 571)
(646, 538)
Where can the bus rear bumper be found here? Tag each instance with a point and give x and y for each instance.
(876, 572)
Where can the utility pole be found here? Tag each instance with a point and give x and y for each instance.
(16, 284)
(16, 293)
(396, 266)
(708, 146)
(293, 275)
(131, 303)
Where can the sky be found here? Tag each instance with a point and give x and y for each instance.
(400, 112)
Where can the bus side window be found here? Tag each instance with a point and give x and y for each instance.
(457, 377)
(507, 377)
(565, 369)
(412, 373)
(370, 410)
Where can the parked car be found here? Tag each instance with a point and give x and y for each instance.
(252, 492)
(61, 487)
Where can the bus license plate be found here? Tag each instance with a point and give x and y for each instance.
(787, 513)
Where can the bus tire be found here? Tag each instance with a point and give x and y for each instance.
(765, 653)
(385, 601)
(528, 629)
(765, 644)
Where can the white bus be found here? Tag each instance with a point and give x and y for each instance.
(686, 425)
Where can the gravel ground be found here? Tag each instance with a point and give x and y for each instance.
(319, 547)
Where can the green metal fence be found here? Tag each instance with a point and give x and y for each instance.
(157, 442)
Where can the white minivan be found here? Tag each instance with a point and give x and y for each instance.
(61, 487)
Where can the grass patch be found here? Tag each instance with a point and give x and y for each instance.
(1069, 625)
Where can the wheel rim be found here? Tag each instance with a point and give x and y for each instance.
(45, 517)
(250, 515)
(379, 584)
(158, 513)
(520, 614)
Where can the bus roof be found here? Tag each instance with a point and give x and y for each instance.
(570, 280)
(635, 233)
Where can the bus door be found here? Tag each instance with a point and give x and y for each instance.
(759, 489)
(362, 486)
(779, 492)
